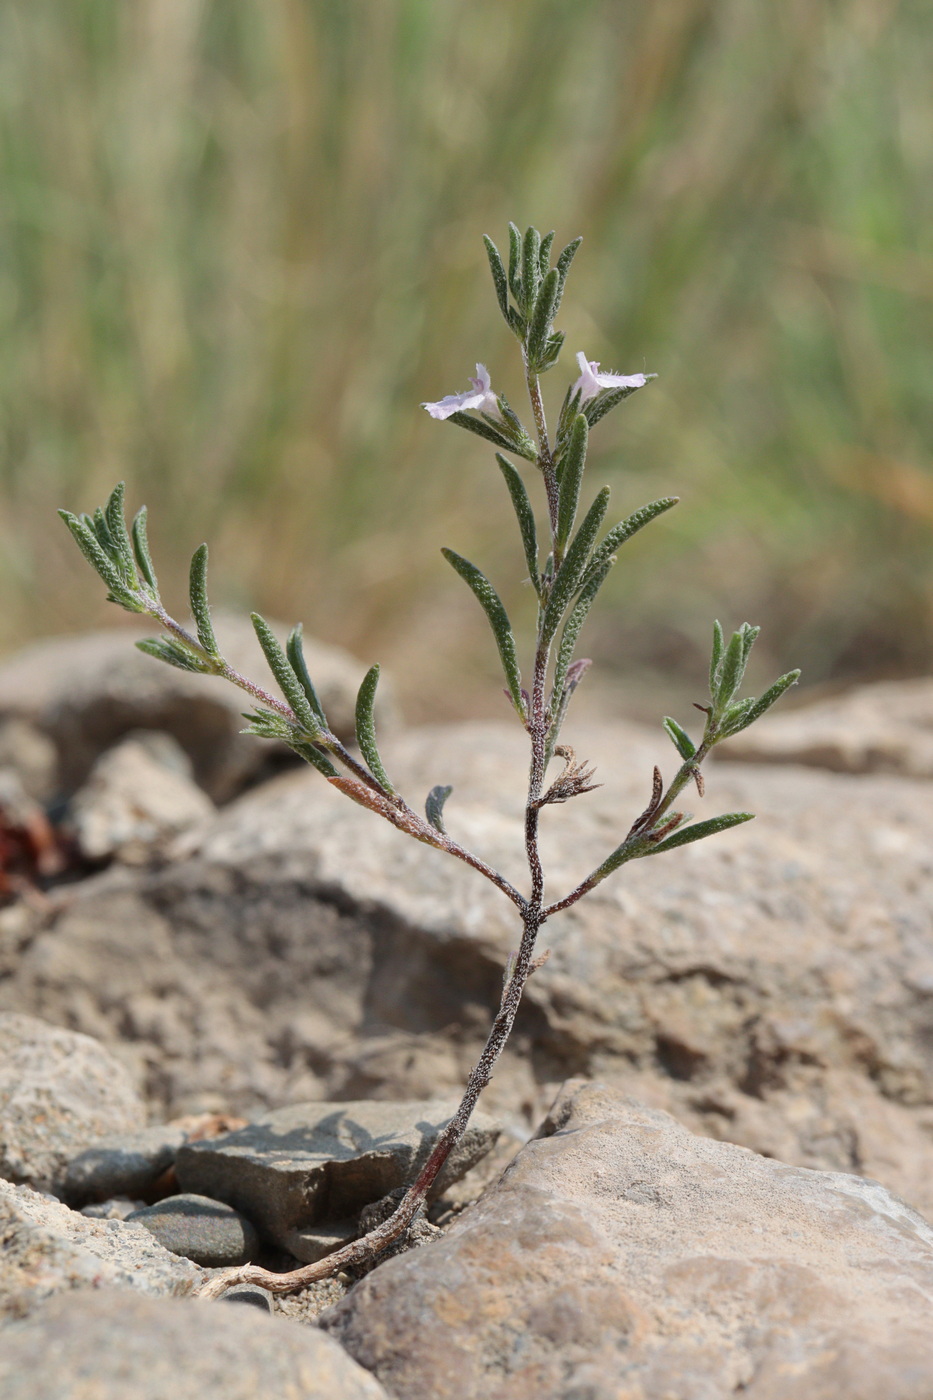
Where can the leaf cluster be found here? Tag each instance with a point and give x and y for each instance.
(531, 291)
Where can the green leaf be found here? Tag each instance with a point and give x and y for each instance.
(515, 255)
(715, 659)
(598, 408)
(197, 592)
(552, 350)
(566, 258)
(698, 831)
(758, 707)
(294, 650)
(730, 672)
(526, 517)
(573, 626)
(484, 429)
(90, 546)
(679, 737)
(531, 269)
(571, 572)
(306, 750)
(544, 257)
(141, 550)
(434, 807)
(289, 683)
(498, 275)
(542, 317)
(571, 477)
(366, 727)
(164, 649)
(618, 535)
(491, 603)
(116, 525)
(749, 637)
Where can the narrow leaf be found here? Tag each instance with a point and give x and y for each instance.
(526, 517)
(618, 535)
(434, 807)
(598, 408)
(573, 626)
(545, 309)
(485, 430)
(294, 650)
(749, 637)
(571, 477)
(565, 259)
(116, 524)
(105, 539)
(288, 682)
(141, 550)
(366, 727)
(544, 257)
(764, 702)
(571, 572)
(174, 655)
(197, 592)
(731, 671)
(515, 255)
(491, 604)
(698, 831)
(313, 755)
(91, 548)
(715, 659)
(531, 270)
(498, 275)
(679, 737)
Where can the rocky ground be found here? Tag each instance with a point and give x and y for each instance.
(236, 1009)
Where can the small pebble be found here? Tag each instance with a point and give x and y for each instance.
(204, 1231)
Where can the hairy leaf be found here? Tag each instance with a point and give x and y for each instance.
(618, 535)
(141, 550)
(571, 477)
(765, 701)
(573, 626)
(679, 737)
(544, 257)
(715, 661)
(294, 650)
(542, 317)
(498, 275)
(90, 546)
(571, 572)
(731, 671)
(289, 683)
(116, 524)
(171, 652)
(197, 592)
(566, 258)
(598, 408)
(531, 269)
(515, 257)
(485, 429)
(434, 806)
(366, 727)
(698, 831)
(491, 604)
(526, 517)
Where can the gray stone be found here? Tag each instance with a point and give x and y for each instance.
(621, 1256)
(86, 692)
(206, 1231)
(295, 1166)
(32, 757)
(129, 1165)
(772, 986)
(45, 1248)
(117, 1208)
(110, 1346)
(59, 1090)
(138, 796)
(251, 1295)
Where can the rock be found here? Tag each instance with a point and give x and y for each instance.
(886, 727)
(58, 1091)
(251, 1295)
(126, 1165)
(206, 1231)
(111, 1346)
(138, 796)
(31, 756)
(117, 1208)
(85, 693)
(45, 1248)
(295, 1166)
(622, 1256)
(772, 986)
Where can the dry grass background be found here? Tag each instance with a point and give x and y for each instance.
(240, 243)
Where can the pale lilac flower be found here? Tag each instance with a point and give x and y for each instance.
(591, 382)
(480, 396)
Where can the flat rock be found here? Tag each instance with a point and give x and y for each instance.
(620, 1255)
(886, 727)
(205, 1231)
(112, 1346)
(128, 1165)
(45, 1249)
(85, 693)
(59, 1090)
(772, 986)
(295, 1166)
(138, 796)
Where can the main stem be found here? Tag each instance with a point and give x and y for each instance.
(533, 916)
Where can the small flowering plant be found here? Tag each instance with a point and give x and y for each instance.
(568, 558)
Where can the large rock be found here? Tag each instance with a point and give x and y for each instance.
(772, 986)
(206, 1231)
(109, 1346)
(882, 728)
(45, 1248)
(86, 692)
(58, 1091)
(309, 1162)
(623, 1256)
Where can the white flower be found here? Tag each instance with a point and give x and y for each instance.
(480, 396)
(591, 382)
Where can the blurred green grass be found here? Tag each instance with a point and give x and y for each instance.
(240, 244)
